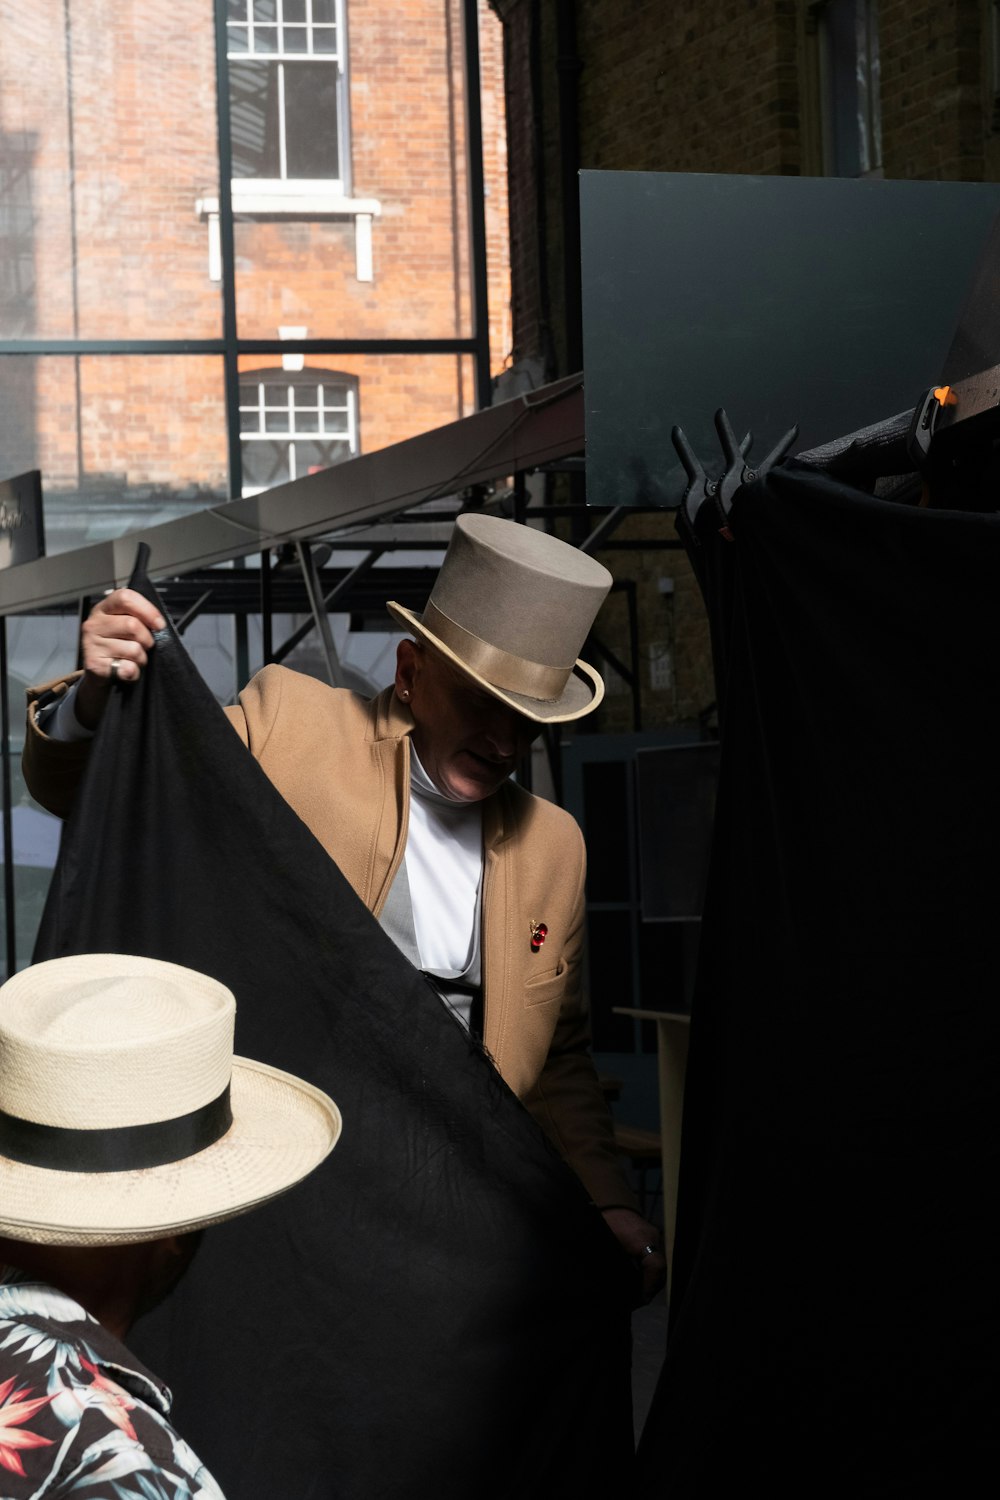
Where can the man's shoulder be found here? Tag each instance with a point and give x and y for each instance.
(279, 693)
(297, 690)
(539, 818)
(85, 1406)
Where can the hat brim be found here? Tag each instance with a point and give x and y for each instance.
(282, 1128)
(583, 692)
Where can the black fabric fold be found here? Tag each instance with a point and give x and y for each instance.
(835, 1325)
(438, 1311)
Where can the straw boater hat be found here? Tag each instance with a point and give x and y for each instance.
(124, 1115)
(511, 607)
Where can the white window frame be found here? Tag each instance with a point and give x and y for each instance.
(336, 187)
(312, 379)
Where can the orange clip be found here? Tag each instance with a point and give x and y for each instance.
(945, 396)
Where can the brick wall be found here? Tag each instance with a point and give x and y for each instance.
(108, 139)
(933, 106)
(687, 87)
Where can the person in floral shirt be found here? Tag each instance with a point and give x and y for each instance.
(79, 1415)
(126, 1127)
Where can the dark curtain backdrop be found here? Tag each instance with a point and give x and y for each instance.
(834, 1322)
(438, 1311)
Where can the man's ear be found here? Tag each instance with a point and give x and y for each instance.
(407, 668)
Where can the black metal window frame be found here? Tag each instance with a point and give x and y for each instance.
(231, 347)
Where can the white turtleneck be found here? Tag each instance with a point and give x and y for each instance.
(444, 867)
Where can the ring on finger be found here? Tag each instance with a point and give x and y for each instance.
(649, 1250)
(116, 662)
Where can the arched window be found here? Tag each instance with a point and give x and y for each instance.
(292, 424)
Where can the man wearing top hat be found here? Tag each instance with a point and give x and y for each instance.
(479, 883)
(126, 1127)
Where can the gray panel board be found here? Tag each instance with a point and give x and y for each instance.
(829, 302)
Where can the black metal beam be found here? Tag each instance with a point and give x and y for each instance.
(447, 345)
(477, 201)
(10, 912)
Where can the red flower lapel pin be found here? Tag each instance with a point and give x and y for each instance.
(539, 932)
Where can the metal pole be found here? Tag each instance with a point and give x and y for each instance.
(230, 359)
(267, 639)
(568, 68)
(633, 641)
(336, 593)
(477, 202)
(228, 251)
(190, 615)
(8, 819)
(318, 607)
(603, 529)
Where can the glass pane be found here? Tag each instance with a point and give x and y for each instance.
(845, 72)
(250, 412)
(276, 418)
(324, 11)
(18, 290)
(265, 10)
(294, 39)
(310, 457)
(265, 39)
(103, 166)
(357, 278)
(265, 464)
(236, 10)
(253, 93)
(306, 415)
(122, 443)
(311, 143)
(324, 39)
(295, 10)
(336, 403)
(236, 39)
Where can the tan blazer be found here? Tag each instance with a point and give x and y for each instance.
(343, 764)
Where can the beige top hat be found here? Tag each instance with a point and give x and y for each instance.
(511, 607)
(124, 1115)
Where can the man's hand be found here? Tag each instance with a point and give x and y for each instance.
(643, 1244)
(118, 630)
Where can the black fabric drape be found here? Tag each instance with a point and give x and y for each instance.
(834, 1323)
(438, 1311)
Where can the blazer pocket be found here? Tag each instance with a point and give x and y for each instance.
(541, 988)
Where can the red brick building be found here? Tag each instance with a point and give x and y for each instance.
(122, 294)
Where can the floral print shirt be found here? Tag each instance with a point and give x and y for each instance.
(79, 1416)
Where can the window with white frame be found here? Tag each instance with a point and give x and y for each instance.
(849, 66)
(287, 87)
(293, 425)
